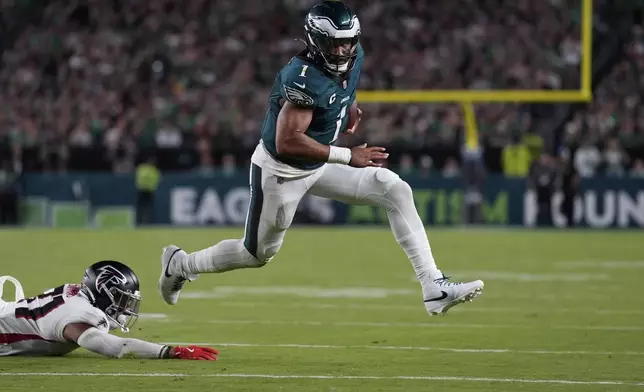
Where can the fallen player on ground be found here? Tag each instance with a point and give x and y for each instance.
(64, 318)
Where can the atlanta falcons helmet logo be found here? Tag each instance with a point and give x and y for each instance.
(109, 276)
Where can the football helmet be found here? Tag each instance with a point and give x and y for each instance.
(113, 287)
(332, 36)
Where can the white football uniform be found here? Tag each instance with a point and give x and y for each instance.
(277, 188)
(34, 326)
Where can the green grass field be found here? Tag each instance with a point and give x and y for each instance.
(339, 310)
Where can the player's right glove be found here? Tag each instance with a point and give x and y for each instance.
(194, 352)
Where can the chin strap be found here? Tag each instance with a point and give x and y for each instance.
(87, 293)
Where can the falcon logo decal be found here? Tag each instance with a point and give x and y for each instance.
(109, 276)
(297, 97)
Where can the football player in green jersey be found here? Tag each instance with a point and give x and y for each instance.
(309, 106)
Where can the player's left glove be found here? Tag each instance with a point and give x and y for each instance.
(194, 352)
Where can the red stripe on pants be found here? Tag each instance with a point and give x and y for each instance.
(8, 338)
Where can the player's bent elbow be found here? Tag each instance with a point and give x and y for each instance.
(291, 124)
(281, 147)
(288, 147)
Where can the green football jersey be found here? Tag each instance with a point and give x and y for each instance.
(306, 84)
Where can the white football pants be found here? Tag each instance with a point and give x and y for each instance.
(273, 204)
(274, 199)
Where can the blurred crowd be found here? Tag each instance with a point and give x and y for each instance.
(614, 121)
(130, 74)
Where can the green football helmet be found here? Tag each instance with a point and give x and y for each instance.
(332, 36)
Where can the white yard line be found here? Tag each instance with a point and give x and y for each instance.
(413, 348)
(602, 264)
(152, 316)
(621, 328)
(406, 308)
(328, 377)
(300, 291)
(526, 277)
(376, 293)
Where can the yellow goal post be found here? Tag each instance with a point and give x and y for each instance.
(466, 98)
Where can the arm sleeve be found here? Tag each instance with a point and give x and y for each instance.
(113, 346)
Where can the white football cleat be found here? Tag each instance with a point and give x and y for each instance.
(440, 295)
(170, 284)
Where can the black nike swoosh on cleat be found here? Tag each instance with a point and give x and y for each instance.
(167, 275)
(437, 298)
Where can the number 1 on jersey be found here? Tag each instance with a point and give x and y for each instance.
(338, 124)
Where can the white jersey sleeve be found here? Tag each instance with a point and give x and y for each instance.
(75, 310)
(35, 325)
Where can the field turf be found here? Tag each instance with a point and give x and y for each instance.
(339, 310)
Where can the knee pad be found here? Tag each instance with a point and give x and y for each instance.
(264, 256)
(255, 261)
(268, 253)
(400, 192)
(386, 180)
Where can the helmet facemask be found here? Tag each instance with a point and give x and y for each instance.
(338, 54)
(124, 310)
(335, 48)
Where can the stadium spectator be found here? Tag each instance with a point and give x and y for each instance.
(451, 168)
(406, 165)
(9, 200)
(587, 159)
(638, 169)
(228, 165)
(569, 187)
(542, 180)
(147, 181)
(534, 143)
(127, 75)
(516, 159)
(172, 73)
(425, 166)
(615, 158)
(473, 180)
(614, 119)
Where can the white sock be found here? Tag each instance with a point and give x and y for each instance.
(409, 230)
(227, 255)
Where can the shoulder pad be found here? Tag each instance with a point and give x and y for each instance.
(303, 84)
